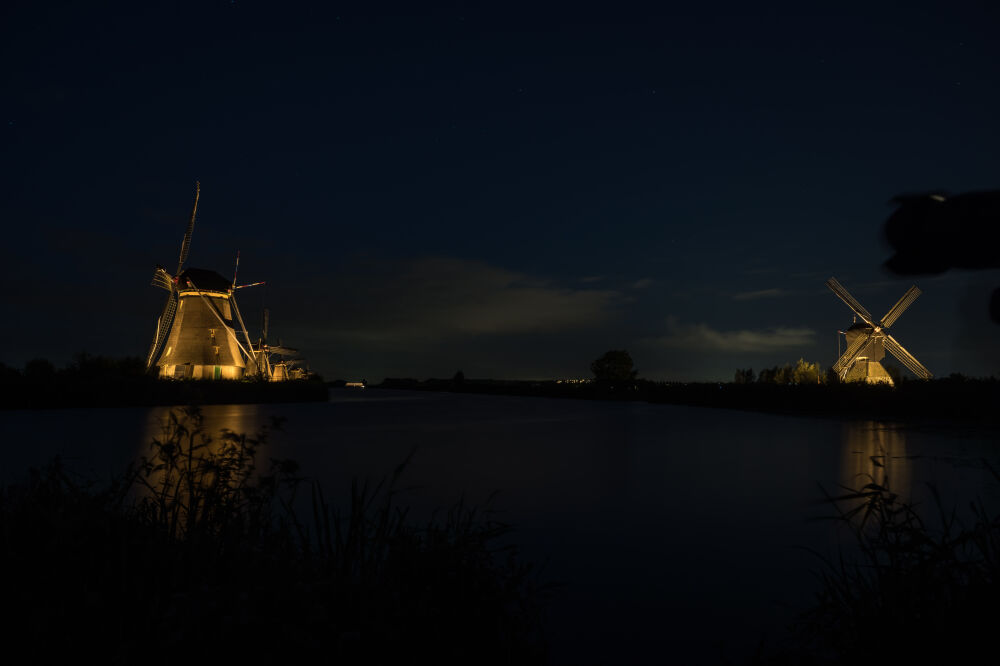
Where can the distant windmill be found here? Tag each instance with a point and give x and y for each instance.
(196, 335)
(276, 361)
(867, 341)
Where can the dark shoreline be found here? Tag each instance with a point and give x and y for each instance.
(151, 392)
(948, 400)
(969, 401)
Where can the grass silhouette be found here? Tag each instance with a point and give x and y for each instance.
(196, 555)
(907, 588)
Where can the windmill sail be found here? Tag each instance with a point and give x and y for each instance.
(163, 325)
(906, 358)
(851, 302)
(186, 243)
(162, 279)
(900, 307)
(845, 359)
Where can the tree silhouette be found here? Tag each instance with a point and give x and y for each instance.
(615, 366)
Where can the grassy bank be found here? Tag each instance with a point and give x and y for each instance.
(195, 555)
(96, 381)
(950, 399)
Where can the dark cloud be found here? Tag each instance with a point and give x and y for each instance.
(761, 293)
(421, 313)
(702, 337)
(438, 298)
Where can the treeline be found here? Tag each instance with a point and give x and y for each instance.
(802, 372)
(83, 367)
(100, 381)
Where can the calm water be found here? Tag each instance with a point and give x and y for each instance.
(677, 531)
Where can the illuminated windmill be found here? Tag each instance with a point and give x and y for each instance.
(868, 341)
(196, 335)
(277, 362)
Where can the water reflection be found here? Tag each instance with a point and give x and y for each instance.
(875, 451)
(647, 510)
(201, 431)
(216, 418)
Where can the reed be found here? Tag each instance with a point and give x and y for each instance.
(195, 554)
(913, 583)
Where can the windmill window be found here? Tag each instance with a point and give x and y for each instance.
(211, 333)
(215, 348)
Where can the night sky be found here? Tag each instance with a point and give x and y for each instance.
(497, 188)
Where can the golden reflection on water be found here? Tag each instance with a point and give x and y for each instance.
(239, 419)
(875, 451)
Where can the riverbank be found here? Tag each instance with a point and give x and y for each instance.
(144, 391)
(948, 399)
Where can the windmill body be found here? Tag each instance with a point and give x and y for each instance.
(867, 341)
(202, 343)
(867, 363)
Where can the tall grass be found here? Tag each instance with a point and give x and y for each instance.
(197, 555)
(914, 583)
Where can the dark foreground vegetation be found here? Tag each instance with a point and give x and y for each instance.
(97, 381)
(913, 585)
(196, 557)
(953, 398)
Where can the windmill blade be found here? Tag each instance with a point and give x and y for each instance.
(843, 295)
(163, 279)
(282, 351)
(845, 360)
(263, 328)
(163, 325)
(239, 317)
(186, 245)
(906, 358)
(900, 307)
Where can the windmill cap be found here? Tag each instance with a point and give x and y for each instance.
(204, 280)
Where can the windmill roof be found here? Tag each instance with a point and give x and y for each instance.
(204, 280)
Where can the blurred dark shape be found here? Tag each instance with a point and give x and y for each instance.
(933, 232)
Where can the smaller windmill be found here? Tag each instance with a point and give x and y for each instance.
(867, 341)
(277, 362)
